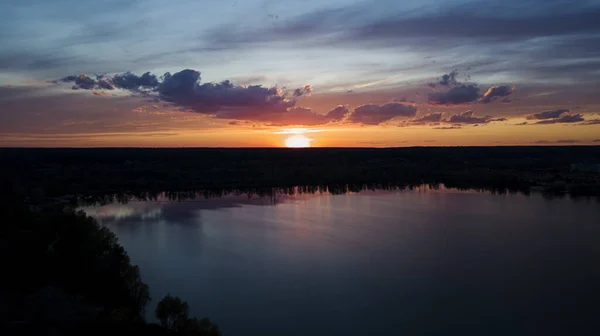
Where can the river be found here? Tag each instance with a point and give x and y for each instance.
(420, 262)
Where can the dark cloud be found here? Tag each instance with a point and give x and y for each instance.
(338, 113)
(449, 79)
(223, 100)
(429, 118)
(567, 141)
(83, 81)
(446, 80)
(468, 118)
(125, 81)
(546, 114)
(448, 127)
(372, 114)
(457, 95)
(555, 116)
(596, 140)
(106, 83)
(496, 91)
(592, 122)
(563, 118)
(129, 81)
(306, 90)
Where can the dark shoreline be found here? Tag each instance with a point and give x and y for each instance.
(101, 171)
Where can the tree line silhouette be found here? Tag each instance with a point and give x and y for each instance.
(65, 274)
(102, 171)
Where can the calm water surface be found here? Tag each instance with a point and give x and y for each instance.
(393, 263)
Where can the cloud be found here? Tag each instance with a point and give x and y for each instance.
(455, 96)
(596, 140)
(564, 118)
(429, 118)
(84, 82)
(449, 23)
(468, 117)
(448, 127)
(555, 116)
(460, 93)
(222, 100)
(372, 114)
(496, 91)
(549, 39)
(338, 113)
(129, 81)
(305, 91)
(546, 114)
(449, 79)
(592, 122)
(125, 81)
(446, 80)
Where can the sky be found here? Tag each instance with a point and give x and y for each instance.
(265, 73)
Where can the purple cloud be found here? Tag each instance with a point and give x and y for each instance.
(555, 117)
(468, 117)
(223, 100)
(457, 95)
(305, 91)
(563, 118)
(496, 91)
(372, 114)
(338, 113)
(429, 118)
(546, 114)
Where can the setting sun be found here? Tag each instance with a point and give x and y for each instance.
(297, 141)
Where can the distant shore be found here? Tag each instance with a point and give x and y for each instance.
(102, 171)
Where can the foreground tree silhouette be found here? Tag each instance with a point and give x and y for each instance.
(172, 312)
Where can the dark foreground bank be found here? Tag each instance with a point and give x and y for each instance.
(64, 275)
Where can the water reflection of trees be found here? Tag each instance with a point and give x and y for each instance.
(332, 189)
(274, 193)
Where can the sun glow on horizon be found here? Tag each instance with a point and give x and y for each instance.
(297, 130)
(297, 141)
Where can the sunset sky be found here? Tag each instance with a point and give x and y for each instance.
(299, 73)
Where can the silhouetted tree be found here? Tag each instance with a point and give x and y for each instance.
(172, 312)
